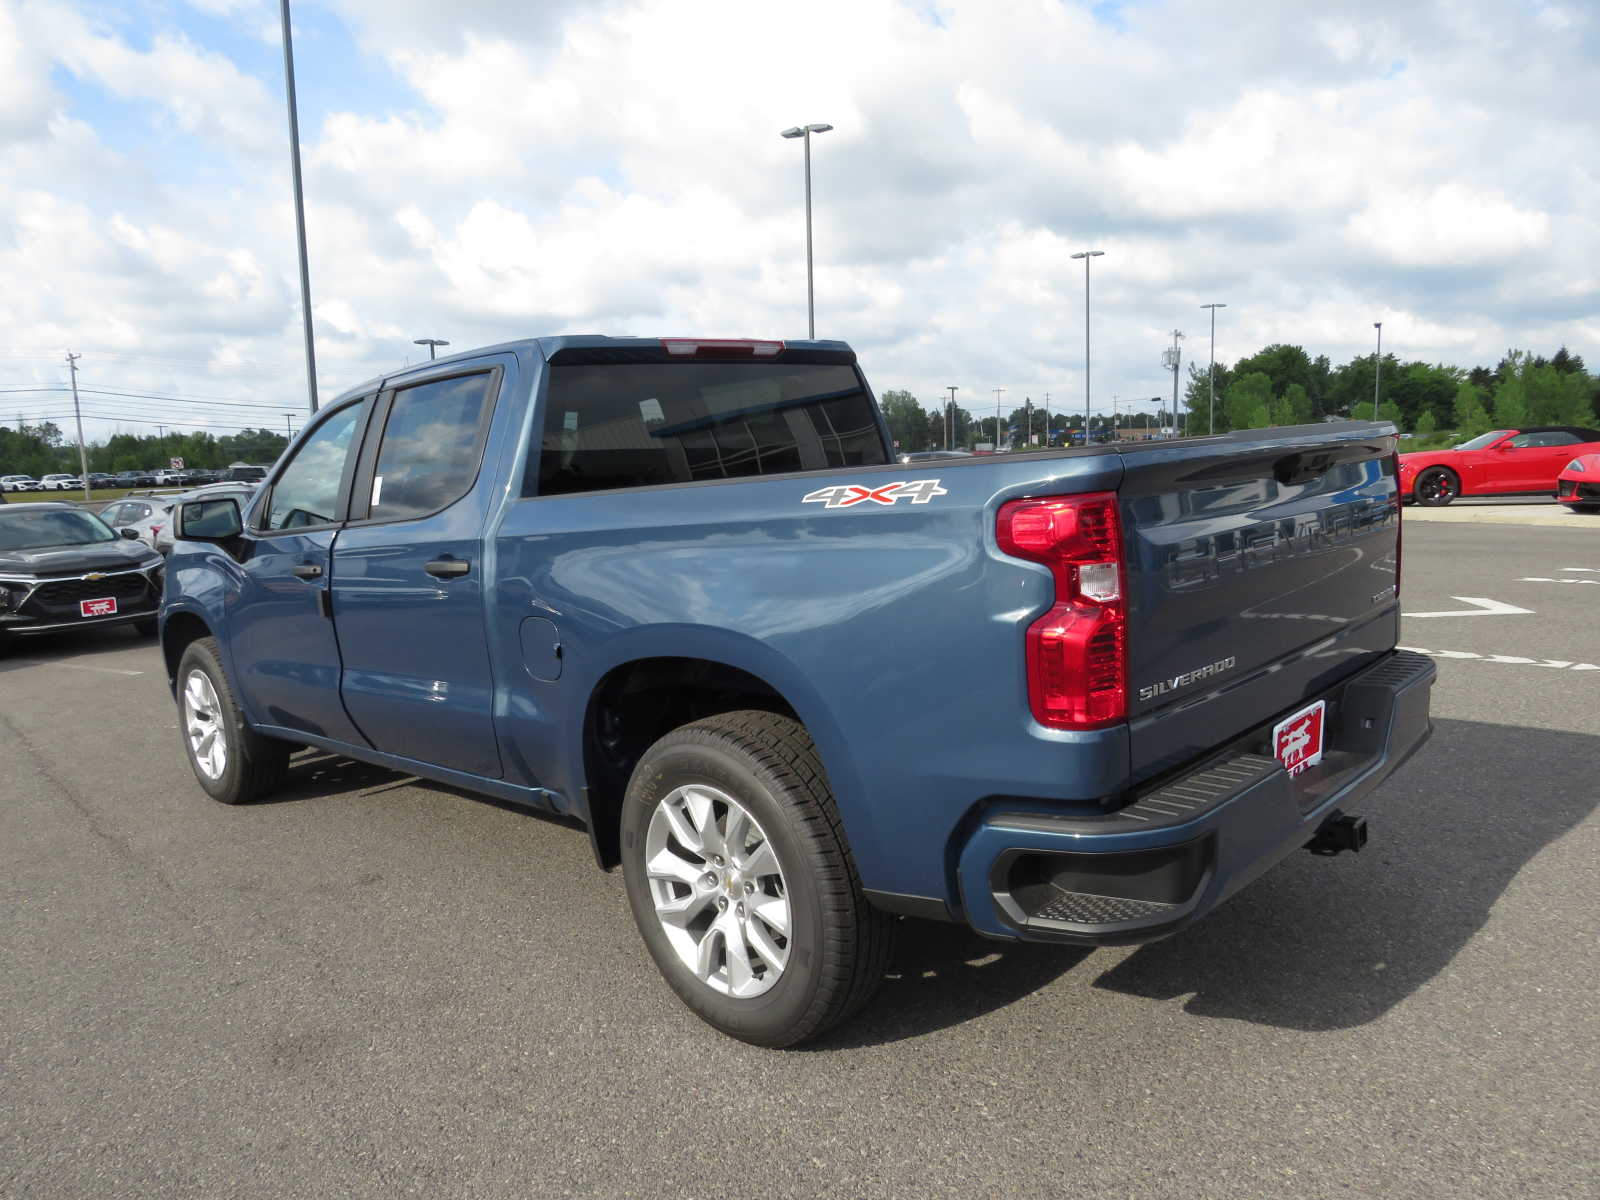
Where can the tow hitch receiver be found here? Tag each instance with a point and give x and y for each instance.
(1339, 832)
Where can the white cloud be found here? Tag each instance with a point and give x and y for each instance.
(616, 168)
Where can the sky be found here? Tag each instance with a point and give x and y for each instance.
(491, 169)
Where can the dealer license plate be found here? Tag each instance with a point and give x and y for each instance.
(98, 608)
(1297, 739)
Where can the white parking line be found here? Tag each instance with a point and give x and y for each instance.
(39, 662)
(1513, 660)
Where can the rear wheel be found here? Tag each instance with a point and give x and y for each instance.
(741, 883)
(233, 763)
(1437, 486)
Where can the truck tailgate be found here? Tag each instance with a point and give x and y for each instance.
(1262, 568)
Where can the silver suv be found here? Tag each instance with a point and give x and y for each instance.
(147, 516)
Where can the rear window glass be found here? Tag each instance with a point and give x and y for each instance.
(639, 425)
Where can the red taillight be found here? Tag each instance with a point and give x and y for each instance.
(721, 348)
(1077, 653)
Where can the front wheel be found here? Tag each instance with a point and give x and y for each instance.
(1437, 486)
(741, 883)
(233, 763)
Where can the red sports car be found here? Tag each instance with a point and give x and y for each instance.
(1578, 484)
(1503, 462)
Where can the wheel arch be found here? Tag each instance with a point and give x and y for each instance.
(639, 697)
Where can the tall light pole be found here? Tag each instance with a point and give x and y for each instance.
(1047, 420)
(1171, 359)
(1086, 255)
(1377, 365)
(299, 205)
(805, 131)
(1212, 370)
(430, 343)
(997, 392)
(950, 420)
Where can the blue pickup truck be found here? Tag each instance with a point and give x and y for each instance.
(680, 591)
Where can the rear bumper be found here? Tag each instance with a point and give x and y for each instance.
(1189, 843)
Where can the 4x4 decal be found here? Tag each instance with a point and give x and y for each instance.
(919, 491)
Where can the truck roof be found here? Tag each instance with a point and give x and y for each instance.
(546, 348)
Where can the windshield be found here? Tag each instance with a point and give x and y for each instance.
(51, 527)
(1484, 439)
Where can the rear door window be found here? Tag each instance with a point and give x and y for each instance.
(645, 424)
(432, 445)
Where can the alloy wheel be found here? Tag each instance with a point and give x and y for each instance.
(718, 890)
(202, 721)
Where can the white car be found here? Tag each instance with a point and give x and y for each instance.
(19, 483)
(60, 483)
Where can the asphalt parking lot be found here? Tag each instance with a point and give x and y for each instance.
(376, 987)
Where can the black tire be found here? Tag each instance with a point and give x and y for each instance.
(1585, 508)
(838, 945)
(1436, 487)
(255, 765)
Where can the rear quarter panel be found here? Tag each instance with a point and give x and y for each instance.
(895, 631)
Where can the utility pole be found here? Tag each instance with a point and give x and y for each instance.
(83, 455)
(288, 429)
(1377, 365)
(950, 420)
(1047, 420)
(1171, 360)
(997, 392)
(1027, 417)
(1213, 368)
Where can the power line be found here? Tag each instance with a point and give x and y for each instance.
(208, 402)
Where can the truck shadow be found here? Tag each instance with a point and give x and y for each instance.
(1317, 944)
(1324, 944)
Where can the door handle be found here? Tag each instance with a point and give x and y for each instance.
(447, 568)
(307, 571)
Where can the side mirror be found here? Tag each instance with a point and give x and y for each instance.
(131, 534)
(209, 520)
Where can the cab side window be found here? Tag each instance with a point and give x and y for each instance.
(432, 445)
(306, 494)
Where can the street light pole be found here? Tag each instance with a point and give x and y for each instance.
(1377, 365)
(1047, 420)
(950, 420)
(805, 131)
(1212, 370)
(299, 205)
(997, 392)
(1086, 255)
(430, 343)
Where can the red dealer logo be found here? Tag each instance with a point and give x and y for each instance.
(98, 608)
(918, 491)
(1297, 741)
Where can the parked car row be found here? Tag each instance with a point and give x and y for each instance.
(1536, 460)
(192, 477)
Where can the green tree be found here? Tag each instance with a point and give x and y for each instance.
(1280, 412)
(1471, 416)
(1425, 424)
(907, 420)
(1390, 411)
(1511, 402)
(1248, 402)
(1197, 397)
(1299, 401)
